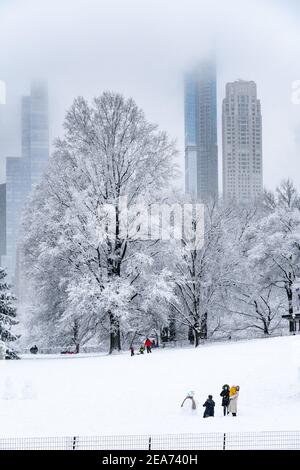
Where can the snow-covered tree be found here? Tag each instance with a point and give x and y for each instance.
(274, 243)
(102, 268)
(8, 313)
(267, 244)
(201, 276)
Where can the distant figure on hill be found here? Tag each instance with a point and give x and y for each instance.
(209, 407)
(190, 397)
(142, 349)
(132, 351)
(148, 344)
(34, 349)
(225, 398)
(233, 398)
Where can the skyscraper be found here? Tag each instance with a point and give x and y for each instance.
(2, 186)
(201, 147)
(3, 119)
(2, 220)
(23, 173)
(35, 131)
(17, 189)
(242, 143)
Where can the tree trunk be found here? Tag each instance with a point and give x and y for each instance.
(289, 293)
(191, 336)
(203, 329)
(75, 336)
(172, 328)
(197, 337)
(266, 328)
(132, 341)
(115, 336)
(261, 317)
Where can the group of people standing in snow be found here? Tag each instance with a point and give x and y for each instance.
(229, 401)
(147, 345)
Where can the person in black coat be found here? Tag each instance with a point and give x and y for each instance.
(34, 349)
(209, 407)
(225, 398)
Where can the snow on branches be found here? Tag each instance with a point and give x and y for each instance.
(109, 151)
(8, 314)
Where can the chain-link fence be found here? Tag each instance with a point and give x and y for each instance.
(289, 440)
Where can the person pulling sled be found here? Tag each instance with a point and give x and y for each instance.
(148, 345)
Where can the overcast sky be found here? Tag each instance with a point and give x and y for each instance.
(141, 49)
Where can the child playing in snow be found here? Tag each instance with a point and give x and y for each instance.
(209, 407)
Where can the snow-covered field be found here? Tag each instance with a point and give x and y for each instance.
(107, 395)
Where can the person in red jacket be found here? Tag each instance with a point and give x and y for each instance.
(148, 344)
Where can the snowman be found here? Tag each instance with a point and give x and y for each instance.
(189, 404)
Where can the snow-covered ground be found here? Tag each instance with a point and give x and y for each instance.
(107, 395)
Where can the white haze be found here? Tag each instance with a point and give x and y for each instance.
(141, 49)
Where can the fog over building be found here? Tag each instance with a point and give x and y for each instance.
(2, 220)
(242, 143)
(22, 173)
(201, 147)
(2, 186)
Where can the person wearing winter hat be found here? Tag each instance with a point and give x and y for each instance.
(233, 398)
(225, 398)
(209, 407)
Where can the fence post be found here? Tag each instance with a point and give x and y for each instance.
(74, 443)
(149, 447)
(224, 441)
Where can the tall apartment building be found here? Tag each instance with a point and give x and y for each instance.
(23, 173)
(201, 147)
(242, 143)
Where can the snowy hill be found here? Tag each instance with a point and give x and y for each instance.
(107, 395)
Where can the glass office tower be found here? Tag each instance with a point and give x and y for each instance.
(201, 146)
(35, 120)
(2, 220)
(17, 189)
(25, 172)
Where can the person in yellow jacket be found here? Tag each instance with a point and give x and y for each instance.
(233, 398)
